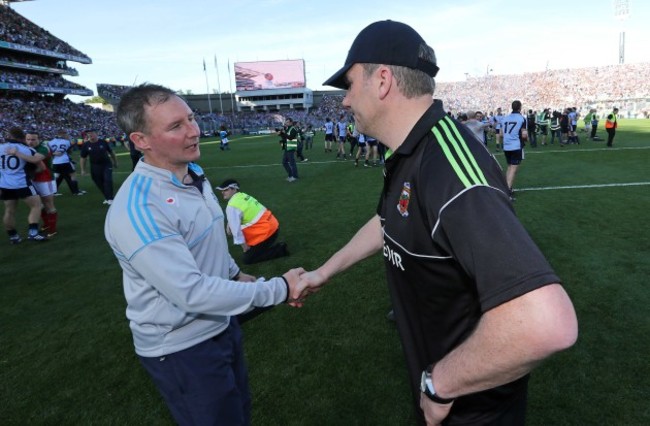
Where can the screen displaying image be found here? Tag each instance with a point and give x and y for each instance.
(263, 75)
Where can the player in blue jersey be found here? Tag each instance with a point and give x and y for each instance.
(223, 135)
(573, 125)
(329, 134)
(16, 161)
(514, 131)
(497, 120)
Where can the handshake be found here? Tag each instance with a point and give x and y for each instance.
(302, 284)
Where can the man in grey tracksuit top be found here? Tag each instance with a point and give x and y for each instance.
(182, 287)
(171, 243)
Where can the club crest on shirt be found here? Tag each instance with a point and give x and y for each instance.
(170, 200)
(404, 199)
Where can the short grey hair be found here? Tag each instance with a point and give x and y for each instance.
(130, 113)
(411, 82)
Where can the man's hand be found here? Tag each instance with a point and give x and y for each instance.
(310, 282)
(293, 278)
(434, 413)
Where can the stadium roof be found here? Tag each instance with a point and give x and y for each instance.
(12, 1)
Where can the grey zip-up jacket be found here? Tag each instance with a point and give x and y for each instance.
(170, 241)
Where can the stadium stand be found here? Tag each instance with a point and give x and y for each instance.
(32, 87)
(626, 85)
(111, 92)
(33, 60)
(15, 29)
(47, 114)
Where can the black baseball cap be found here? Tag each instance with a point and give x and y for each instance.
(385, 42)
(228, 183)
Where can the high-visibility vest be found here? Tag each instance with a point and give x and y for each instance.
(291, 143)
(555, 123)
(258, 223)
(611, 121)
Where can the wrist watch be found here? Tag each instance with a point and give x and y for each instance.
(426, 387)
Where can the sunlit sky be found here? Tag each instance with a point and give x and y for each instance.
(165, 42)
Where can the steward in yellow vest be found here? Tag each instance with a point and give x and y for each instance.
(610, 126)
(252, 226)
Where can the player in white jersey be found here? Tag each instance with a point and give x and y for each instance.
(329, 134)
(342, 130)
(62, 164)
(15, 184)
(573, 126)
(513, 127)
(361, 143)
(497, 124)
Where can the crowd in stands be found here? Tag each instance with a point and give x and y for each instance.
(330, 106)
(555, 89)
(15, 28)
(47, 114)
(20, 60)
(42, 79)
(111, 92)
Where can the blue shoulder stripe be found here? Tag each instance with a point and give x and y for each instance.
(139, 214)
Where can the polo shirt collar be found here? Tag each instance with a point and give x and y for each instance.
(429, 119)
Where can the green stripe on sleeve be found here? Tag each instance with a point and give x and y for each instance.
(468, 153)
(459, 152)
(450, 157)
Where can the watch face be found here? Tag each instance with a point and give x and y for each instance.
(423, 382)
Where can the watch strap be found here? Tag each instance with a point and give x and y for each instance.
(432, 395)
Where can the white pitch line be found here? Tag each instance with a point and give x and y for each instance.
(248, 166)
(546, 150)
(605, 185)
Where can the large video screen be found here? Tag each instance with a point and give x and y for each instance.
(263, 75)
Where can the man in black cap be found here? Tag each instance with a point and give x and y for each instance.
(475, 302)
(102, 161)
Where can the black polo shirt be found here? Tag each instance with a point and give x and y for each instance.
(453, 249)
(98, 152)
